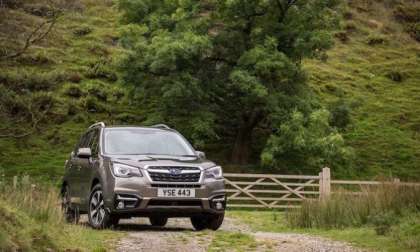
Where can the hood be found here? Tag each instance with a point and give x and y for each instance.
(142, 161)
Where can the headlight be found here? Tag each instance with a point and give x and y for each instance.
(214, 172)
(126, 171)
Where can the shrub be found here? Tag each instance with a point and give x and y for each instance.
(98, 91)
(342, 36)
(407, 232)
(100, 69)
(31, 80)
(395, 76)
(82, 31)
(91, 104)
(40, 10)
(383, 222)
(407, 13)
(73, 90)
(376, 40)
(75, 77)
(414, 30)
(340, 115)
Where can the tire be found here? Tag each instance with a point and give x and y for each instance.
(215, 221)
(71, 215)
(212, 221)
(98, 216)
(157, 221)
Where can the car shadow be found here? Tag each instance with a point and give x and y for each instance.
(149, 228)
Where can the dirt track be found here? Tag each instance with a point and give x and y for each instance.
(178, 236)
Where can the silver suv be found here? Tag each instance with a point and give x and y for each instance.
(122, 172)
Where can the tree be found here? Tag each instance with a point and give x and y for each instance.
(223, 68)
(306, 144)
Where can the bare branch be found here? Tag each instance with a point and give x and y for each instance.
(36, 35)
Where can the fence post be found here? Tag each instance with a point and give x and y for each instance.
(15, 182)
(325, 183)
(321, 187)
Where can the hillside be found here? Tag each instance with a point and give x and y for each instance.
(70, 79)
(374, 70)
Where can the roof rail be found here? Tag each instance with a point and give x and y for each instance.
(101, 124)
(161, 126)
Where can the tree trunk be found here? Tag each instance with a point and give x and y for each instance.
(242, 147)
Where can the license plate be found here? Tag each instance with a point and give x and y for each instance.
(176, 192)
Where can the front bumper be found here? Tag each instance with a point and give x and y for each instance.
(140, 197)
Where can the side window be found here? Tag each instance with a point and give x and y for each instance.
(94, 143)
(81, 142)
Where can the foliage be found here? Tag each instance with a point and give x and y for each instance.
(306, 143)
(221, 69)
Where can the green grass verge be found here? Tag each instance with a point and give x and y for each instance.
(232, 241)
(364, 237)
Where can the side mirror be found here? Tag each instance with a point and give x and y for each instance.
(201, 154)
(84, 153)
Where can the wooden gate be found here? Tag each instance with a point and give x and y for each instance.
(275, 191)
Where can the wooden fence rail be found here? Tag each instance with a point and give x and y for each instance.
(287, 191)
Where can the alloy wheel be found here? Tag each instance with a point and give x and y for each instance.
(97, 208)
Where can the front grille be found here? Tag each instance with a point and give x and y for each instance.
(176, 185)
(156, 202)
(182, 174)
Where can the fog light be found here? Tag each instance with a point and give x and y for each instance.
(120, 205)
(219, 206)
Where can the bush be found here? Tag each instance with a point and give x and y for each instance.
(82, 31)
(101, 70)
(31, 80)
(340, 115)
(407, 13)
(40, 10)
(98, 91)
(73, 90)
(395, 76)
(383, 221)
(91, 104)
(414, 30)
(376, 40)
(407, 232)
(75, 77)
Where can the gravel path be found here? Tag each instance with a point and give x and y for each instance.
(178, 236)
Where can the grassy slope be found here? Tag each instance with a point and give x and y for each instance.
(385, 113)
(92, 59)
(365, 237)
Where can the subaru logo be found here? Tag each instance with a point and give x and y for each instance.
(175, 171)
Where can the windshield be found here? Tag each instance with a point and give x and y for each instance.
(132, 141)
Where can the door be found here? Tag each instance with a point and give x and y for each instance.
(89, 165)
(74, 167)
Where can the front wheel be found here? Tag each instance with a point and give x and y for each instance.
(99, 217)
(211, 221)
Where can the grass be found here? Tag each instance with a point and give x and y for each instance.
(232, 241)
(385, 218)
(82, 53)
(380, 83)
(31, 220)
(363, 237)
